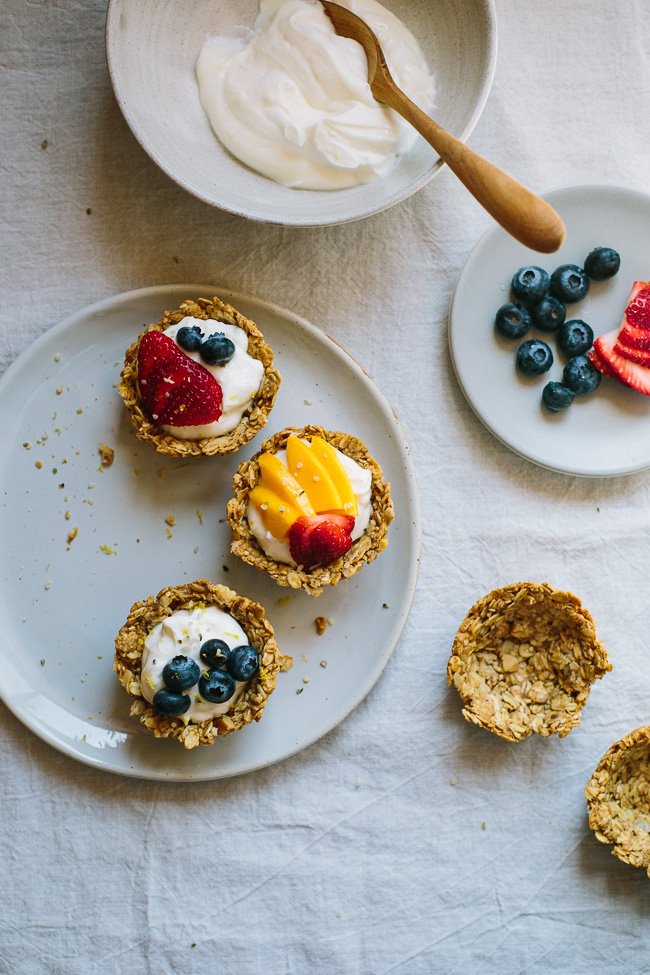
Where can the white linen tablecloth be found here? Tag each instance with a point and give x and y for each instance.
(365, 853)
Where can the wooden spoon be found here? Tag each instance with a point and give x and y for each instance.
(525, 216)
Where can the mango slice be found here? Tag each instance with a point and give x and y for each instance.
(277, 478)
(278, 516)
(332, 463)
(312, 476)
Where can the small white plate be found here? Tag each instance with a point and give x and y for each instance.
(605, 434)
(63, 604)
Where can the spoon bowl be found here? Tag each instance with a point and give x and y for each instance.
(529, 219)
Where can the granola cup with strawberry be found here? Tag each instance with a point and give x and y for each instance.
(200, 382)
(311, 508)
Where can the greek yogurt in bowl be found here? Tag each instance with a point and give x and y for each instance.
(293, 102)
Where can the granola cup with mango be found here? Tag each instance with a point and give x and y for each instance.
(310, 509)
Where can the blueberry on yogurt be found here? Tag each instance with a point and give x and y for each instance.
(189, 338)
(167, 702)
(216, 686)
(215, 653)
(534, 357)
(243, 663)
(180, 672)
(217, 350)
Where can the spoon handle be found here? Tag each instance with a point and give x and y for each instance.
(525, 216)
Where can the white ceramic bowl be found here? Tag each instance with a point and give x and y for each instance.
(152, 47)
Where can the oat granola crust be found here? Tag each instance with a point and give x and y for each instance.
(248, 707)
(618, 799)
(249, 425)
(364, 549)
(524, 660)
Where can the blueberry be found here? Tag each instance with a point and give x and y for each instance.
(575, 337)
(602, 263)
(530, 284)
(569, 283)
(216, 686)
(189, 338)
(180, 673)
(243, 663)
(557, 397)
(581, 375)
(215, 653)
(169, 703)
(512, 320)
(548, 314)
(217, 350)
(534, 357)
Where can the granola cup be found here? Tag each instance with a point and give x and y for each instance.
(251, 703)
(364, 549)
(618, 799)
(524, 660)
(251, 422)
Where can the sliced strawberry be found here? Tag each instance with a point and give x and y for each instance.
(600, 364)
(629, 373)
(635, 328)
(642, 356)
(320, 539)
(176, 391)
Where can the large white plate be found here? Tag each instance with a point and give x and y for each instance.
(62, 605)
(607, 433)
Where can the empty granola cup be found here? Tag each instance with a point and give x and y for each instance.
(243, 414)
(524, 660)
(618, 799)
(197, 628)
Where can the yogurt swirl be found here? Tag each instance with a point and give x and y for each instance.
(293, 102)
(239, 379)
(184, 632)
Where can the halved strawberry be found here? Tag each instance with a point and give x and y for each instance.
(320, 539)
(176, 391)
(629, 373)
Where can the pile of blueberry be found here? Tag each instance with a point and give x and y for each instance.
(217, 684)
(540, 301)
(217, 350)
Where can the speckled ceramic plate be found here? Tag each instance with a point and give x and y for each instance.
(605, 434)
(62, 604)
(152, 47)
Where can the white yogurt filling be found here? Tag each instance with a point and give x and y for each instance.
(278, 548)
(239, 379)
(292, 99)
(184, 632)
